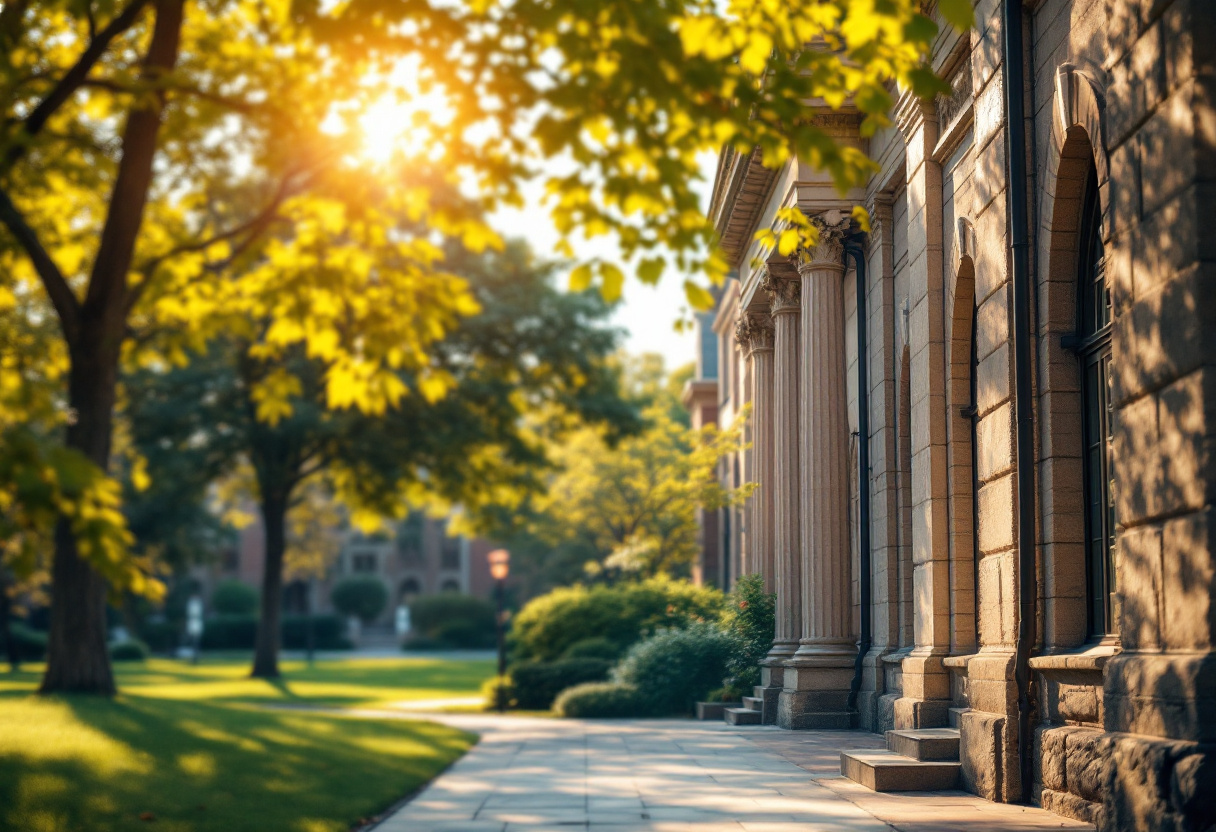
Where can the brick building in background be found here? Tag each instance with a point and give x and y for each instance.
(984, 431)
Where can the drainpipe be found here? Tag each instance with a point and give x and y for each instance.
(1019, 250)
(853, 249)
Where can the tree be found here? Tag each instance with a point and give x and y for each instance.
(150, 146)
(363, 597)
(526, 370)
(631, 508)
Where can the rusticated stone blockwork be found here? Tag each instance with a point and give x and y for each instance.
(1120, 682)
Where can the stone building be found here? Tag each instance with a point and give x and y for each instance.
(984, 432)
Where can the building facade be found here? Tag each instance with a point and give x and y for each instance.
(984, 431)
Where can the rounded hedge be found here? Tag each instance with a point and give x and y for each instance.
(603, 700)
(622, 614)
(597, 647)
(536, 684)
(362, 597)
(129, 651)
(234, 598)
(432, 614)
(673, 669)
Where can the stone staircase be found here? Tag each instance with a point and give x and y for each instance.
(916, 760)
(752, 712)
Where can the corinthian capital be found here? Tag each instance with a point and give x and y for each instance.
(784, 292)
(754, 331)
(829, 253)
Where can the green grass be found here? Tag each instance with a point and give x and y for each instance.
(192, 748)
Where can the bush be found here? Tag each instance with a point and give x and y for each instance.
(363, 597)
(229, 632)
(454, 620)
(129, 651)
(673, 669)
(605, 700)
(750, 619)
(31, 643)
(490, 691)
(234, 598)
(328, 632)
(417, 641)
(466, 634)
(623, 614)
(536, 684)
(160, 636)
(593, 648)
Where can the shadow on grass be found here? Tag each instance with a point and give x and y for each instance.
(99, 764)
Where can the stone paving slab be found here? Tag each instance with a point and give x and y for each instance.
(549, 775)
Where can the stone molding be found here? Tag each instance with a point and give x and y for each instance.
(754, 331)
(911, 113)
(785, 293)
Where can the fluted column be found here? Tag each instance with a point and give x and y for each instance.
(785, 293)
(819, 676)
(755, 335)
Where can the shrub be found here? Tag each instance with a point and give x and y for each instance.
(490, 692)
(605, 700)
(31, 643)
(328, 632)
(362, 597)
(129, 651)
(750, 619)
(454, 620)
(234, 598)
(673, 669)
(417, 641)
(597, 647)
(160, 636)
(623, 614)
(466, 634)
(536, 684)
(229, 632)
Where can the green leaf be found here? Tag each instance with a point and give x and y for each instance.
(580, 278)
(698, 296)
(613, 280)
(958, 13)
(650, 270)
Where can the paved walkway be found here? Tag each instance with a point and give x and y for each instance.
(549, 775)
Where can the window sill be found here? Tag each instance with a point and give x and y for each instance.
(1092, 658)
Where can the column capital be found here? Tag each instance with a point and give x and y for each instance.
(829, 253)
(754, 331)
(784, 290)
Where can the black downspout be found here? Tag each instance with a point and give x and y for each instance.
(855, 251)
(1019, 250)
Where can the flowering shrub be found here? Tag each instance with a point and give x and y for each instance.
(750, 619)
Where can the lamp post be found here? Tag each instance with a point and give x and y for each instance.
(500, 566)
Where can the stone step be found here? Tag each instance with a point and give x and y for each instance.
(714, 710)
(756, 703)
(886, 771)
(925, 744)
(742, 716)
(956, 716)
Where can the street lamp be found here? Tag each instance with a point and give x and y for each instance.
(500, 566)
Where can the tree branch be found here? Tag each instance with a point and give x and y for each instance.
(73, 79)
(57, 288)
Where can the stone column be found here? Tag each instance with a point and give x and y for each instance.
(819, 676)
(784, 288)
(755, 335)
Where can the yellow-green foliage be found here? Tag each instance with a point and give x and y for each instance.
(623, 613)
(188, 745)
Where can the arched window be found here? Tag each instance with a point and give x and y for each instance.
(1092, 344)
(410, 588)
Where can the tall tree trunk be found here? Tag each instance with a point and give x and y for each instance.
(77, 661)
(6, 631)
(266, 652)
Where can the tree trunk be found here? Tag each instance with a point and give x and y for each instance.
(77, 659)
(10, 643)
(266, 652)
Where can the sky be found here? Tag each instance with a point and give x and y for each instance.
(647, 314)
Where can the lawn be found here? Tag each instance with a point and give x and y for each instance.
(192, 749)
